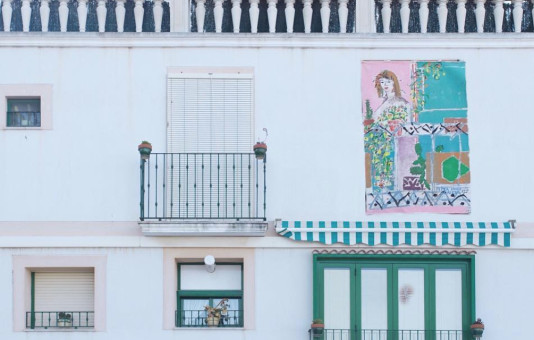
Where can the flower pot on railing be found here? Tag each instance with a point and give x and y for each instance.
(213, 321)
(64, 319)
(317, 327)
(260, 149)
(145, 148)
(477, 328)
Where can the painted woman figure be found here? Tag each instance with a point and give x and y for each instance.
(388, 120)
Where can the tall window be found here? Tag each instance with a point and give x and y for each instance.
(211, 171)
(405, 297)
(210, 299)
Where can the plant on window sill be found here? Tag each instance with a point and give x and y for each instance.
(64, 319)
(214, 314)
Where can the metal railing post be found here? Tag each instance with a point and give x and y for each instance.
(142, 189)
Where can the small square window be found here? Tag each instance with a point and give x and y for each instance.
(23, 112)
(25, 107)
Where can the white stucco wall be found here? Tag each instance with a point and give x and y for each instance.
(107, 99)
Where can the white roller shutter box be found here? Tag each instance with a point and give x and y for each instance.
(66, 291)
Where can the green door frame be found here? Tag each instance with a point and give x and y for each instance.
(429, 263)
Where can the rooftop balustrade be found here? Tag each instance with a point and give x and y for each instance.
(268, 16)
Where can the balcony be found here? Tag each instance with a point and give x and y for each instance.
(384, 334)
(63, 320)
(203, 194)
(268, 16)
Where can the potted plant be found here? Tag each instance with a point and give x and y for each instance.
(214, 314)
(260, 149)
(477, 328)
(145, 148)
(368, 114)
(317, 327)
(64, 319)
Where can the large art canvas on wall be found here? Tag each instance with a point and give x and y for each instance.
(416, 137)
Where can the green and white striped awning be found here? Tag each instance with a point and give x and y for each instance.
(398, 233)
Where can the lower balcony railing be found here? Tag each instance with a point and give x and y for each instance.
(199, 318)
(60, 319)
(203, 186)
(388, 334)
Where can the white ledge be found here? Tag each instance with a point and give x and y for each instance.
(267, 40)
(204, 228)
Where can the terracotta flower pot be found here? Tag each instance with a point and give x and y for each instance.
(213, 321)
(145, 149)
(260, 149)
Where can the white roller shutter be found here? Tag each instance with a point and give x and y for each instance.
(65, 291)
(210, 113)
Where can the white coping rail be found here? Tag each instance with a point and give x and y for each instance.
(180, 14)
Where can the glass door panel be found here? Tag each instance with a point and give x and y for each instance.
(448, 304)
(411, 303)
(374, 303)
(337, 303)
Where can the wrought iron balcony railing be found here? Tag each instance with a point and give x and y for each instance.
(199, 318)
(388, 334)
(60, 319)
(203, 186)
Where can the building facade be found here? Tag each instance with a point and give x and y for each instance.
(201, 239)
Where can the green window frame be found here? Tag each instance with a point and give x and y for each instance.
(185, 317)
(23, 112)
(392, 263)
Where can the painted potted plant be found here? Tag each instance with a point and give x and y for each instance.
(368, 114)
(477, 328)
(214, 314)
(317, 327)
(64, 319)
(260, 149)
(145, 148)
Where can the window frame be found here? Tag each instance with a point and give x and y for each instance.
(12, 101)
(207, 294)
(30, 91)
(430, 263)
(24, 265)
(183, 253)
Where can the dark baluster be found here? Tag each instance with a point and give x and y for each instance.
(218, 185)
(179, 185)
(148, 190)
(164, 193)
(156, 189)
(249, 185)
(233, 185)
(195, 186)
(186, 185)
(142, 190)
(172, 184)
(265, 188)
(202, 169)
